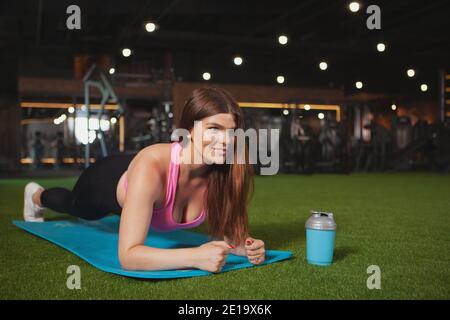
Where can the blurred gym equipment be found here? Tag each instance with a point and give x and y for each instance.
(107, 94)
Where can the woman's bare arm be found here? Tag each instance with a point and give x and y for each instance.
(144, 185)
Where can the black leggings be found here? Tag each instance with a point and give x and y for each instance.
(94, 194)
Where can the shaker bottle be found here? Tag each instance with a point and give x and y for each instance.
(320, 236)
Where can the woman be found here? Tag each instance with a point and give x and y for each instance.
(161, 186)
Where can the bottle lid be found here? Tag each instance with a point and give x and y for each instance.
(320, 220)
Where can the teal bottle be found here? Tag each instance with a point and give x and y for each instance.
(320, 238)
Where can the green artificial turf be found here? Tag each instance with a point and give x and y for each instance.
(398, 221)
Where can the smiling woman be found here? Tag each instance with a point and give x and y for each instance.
(170, 186)
(211, 141)
(229, 186)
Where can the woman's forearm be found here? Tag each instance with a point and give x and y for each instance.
(148, 258)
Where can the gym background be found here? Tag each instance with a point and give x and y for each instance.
(345, 97)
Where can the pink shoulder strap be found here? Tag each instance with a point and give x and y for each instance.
(174, 168)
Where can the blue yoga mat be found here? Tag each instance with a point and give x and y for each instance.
(96, 242)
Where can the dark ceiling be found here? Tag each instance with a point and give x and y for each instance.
(205, 35)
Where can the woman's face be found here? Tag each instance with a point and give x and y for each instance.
(210, 137)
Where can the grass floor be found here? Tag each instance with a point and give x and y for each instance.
(400, 222)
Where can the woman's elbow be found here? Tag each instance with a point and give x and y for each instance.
(124, 260)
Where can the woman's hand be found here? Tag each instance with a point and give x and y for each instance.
(211, 256)
(256, 253)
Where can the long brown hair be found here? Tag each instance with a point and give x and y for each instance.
(230, 186)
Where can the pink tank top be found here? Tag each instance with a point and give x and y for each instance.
(162, 219)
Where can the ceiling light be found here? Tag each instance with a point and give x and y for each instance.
(237, 60)
(150, 27)
(206, 76)
(381, 47)
(126, 52)
(423, 87)
(354, 6)
(358, 84)
(283, 39)
(410, 73)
